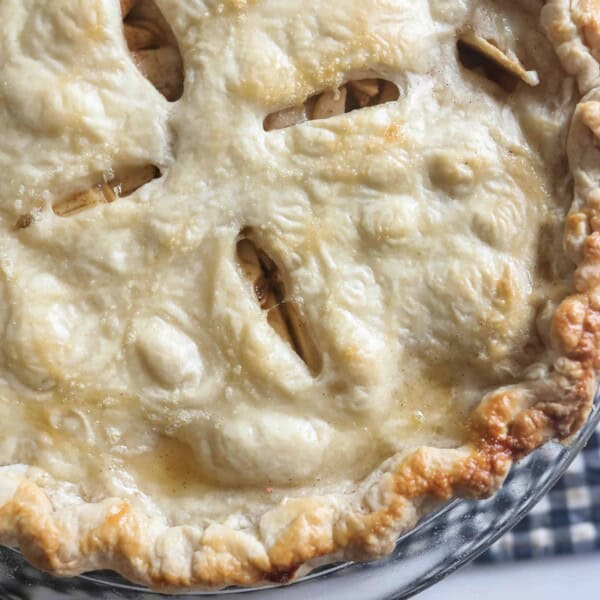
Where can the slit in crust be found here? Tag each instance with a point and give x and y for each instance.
(353, 95)
(282, 313)
(123, 184)
(502, 68)
(153, 47)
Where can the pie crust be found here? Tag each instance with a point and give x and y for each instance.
(278, 278)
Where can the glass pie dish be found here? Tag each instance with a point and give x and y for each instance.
(442, 543)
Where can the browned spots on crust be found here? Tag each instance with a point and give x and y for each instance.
(489, 422)
(576, 324)
(303, 539)
(512, 423)
(222, 559)
(591, 248)
(120, 532)
(117, 516)
(568, 323)
(393, 133)
(28, 514)
(166, 581)
(586, 15)
(475, 475)
(215, 570)
(528, 431)
(560, 415)
(590, 116)
(417, 476)
(576, 232)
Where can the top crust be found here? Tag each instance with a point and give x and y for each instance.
(551, 402)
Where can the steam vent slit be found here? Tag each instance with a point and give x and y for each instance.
(484, 57)
(262, 273)
(353, 95)
(153, 46)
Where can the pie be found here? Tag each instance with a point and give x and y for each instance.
(278, 278)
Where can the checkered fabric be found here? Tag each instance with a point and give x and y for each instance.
(565, 521)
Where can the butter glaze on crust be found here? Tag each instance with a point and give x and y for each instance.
(66, 535)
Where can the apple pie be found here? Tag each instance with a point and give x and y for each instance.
(279, 277)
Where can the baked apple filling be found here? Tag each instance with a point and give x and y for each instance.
(118, 185)
(153, 46)
(503, 68)
(121, 185)
(353, 95)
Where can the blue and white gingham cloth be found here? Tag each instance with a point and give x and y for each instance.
(565, 521)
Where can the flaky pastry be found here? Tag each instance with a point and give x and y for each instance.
(277, 278)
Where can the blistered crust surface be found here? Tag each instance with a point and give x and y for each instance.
(408, 235)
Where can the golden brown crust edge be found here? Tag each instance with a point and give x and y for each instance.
(507, 425)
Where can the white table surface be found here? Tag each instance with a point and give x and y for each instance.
(572, 578)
